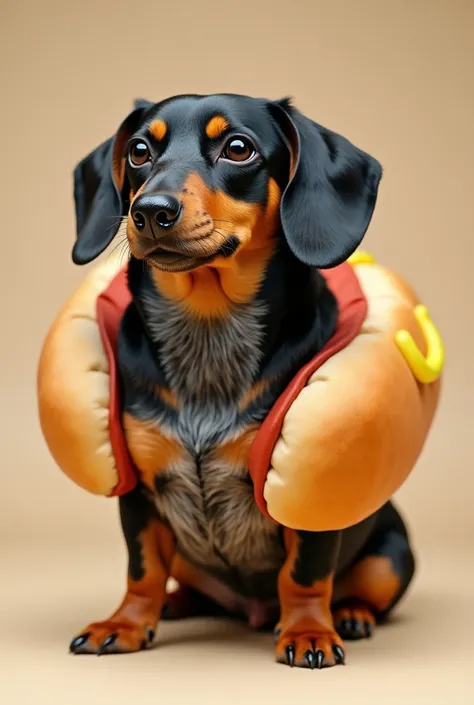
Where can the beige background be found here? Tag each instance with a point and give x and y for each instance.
(397, 79)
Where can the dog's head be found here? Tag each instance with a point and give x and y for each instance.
(197, 179)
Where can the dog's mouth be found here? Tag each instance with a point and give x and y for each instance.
(175, 259)
(172, 261)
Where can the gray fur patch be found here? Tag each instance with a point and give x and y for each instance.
(209, 504)
(207, 360)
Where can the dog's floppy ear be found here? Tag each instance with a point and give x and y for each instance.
(98, 190)
(329, 201)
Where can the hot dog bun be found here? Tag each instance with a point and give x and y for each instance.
(73, 388)
(348, 442)
(354, 433)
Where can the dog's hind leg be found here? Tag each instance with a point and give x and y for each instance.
(369, 590)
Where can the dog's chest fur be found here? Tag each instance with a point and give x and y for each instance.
(207, 496)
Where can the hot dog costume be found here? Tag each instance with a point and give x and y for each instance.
(341, 439)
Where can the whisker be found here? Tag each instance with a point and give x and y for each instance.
(224, 246)
(120, 242)
(212, 239)
(225, 234)
(114, 225)
(125, 251)
(122, 239)
(201, 237)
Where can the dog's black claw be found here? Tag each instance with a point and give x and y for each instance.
(290, 655)
(339, 654)
(150, 634)
(356, 627)
(369, 630)
(106, 643)
(310, 659)
(319, 658)
(78, 642)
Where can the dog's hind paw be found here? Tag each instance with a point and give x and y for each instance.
(354, 621)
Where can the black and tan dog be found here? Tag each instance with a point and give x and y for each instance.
(229, 204)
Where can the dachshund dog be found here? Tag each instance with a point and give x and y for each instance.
(229, 205)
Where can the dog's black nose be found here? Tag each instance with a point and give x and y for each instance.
(161, 209)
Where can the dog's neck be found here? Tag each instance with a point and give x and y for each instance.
(219, 330)
(212, 292)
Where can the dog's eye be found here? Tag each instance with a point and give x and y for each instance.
(238, 149)
(139, 153)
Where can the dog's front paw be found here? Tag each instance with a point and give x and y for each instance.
(315, 647)
(111, 637)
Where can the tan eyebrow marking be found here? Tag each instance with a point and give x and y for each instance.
(158, 129)
(216, 126)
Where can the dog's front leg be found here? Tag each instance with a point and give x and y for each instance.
(151, 549)
(305, 635)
